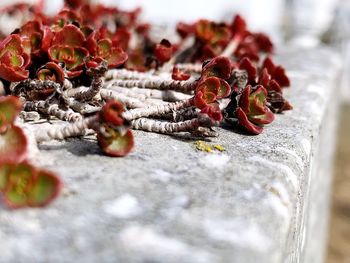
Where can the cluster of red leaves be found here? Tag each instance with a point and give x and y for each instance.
(211, 39)
(21, 184)
(76, 39)
(256, 104)
(212, 86)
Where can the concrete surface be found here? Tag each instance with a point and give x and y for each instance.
(265, 199)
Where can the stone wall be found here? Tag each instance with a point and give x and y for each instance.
(264, 199)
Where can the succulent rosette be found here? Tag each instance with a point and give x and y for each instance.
(163, 51)
(13, 59)
(105, 49)
(113, 135)
(67, 48)
(252, 111)
(23, 185)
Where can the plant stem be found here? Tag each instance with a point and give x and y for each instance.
(182, 86)
(231, 47)
(53, 110)
(171, 127)
(157, 110)
(144, 94)
(77, 128)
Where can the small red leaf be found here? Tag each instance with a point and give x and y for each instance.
(13, 145)
(218, 67)
(115, 144)
(10, 106)
(246, 124)
(177, 74)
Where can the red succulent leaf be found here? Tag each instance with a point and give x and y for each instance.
(143, 29)
(136, 61)
(247, 48)
(222, 35)
(207, 51)
(25, 186)
(117, 57)
(264, 42)
(238, 26)
(115, 144)
(273, 85)
(202, 99)
(244, 99)
(111, 113)
(48, 35)
(73, 57)
(264, 78)
(213, 111)
(69, 35)
(177, 74)
(13, 60)
(247, 65)
(45, 188)
(5, 169)
(246, 124)
(204, 30)
(281, 77)
(277, 72)
(163, 51)
(121, 38)
(13, 145)
(91, 43)
(184, 29)
(51, 71)
(224, 90)
(218, 67)
(10, 106)
(19, 179)
(211, 84)
(32, 34)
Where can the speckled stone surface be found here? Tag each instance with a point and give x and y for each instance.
(265, 199)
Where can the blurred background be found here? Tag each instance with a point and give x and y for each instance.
(299, 22)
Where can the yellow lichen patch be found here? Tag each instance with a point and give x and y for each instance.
(203, 146)
(219, 147)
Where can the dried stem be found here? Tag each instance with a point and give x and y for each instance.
(231, 47)
(157, 110)
(127, 74)
(144, 94)
(129, 102)
(60, 132)
(172, 127)
(96, 83)
(182, 86)
(52, 110)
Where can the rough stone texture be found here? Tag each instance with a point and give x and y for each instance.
(265, 199)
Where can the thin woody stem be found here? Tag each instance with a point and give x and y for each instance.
(129, 102)
(231, 47)
(165, 127)
(144, 94)
(96, 83)
(157, 110)
(127, 74)
(176, 85)
(53, 110)
(77, 128)
(197, 68)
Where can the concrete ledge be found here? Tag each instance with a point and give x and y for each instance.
(265, 199)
